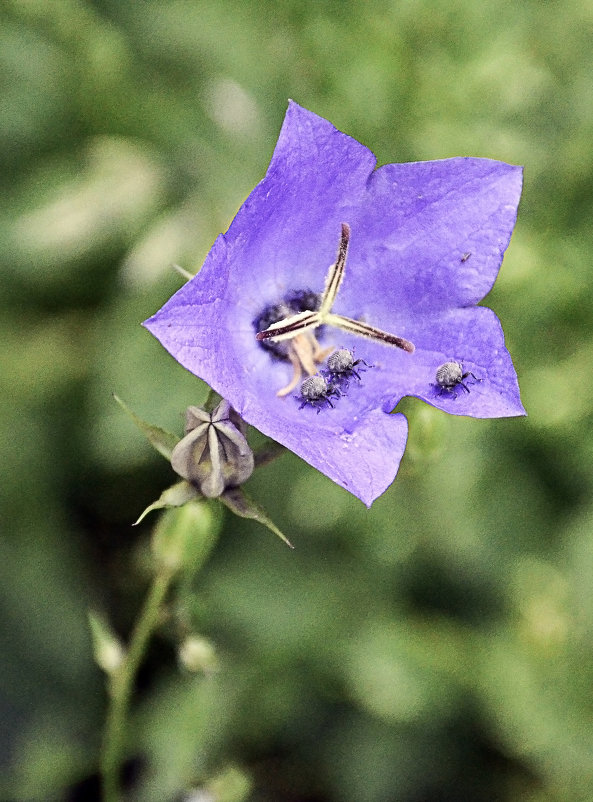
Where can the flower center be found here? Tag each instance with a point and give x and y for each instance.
(303, 351)
(294, 323)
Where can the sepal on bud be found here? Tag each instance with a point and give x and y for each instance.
(175, 496)
(238, 502)
(164, 442)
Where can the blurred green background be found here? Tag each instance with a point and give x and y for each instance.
(436, 648)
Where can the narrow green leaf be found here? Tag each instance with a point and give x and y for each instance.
(238, 502)
(164, 442)
(175, 496)
(107, 647)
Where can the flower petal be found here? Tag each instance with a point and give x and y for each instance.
(430, 236)
(288, 229)
(471, 336)
(363, 457)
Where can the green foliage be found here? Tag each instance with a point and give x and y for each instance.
(435, 647)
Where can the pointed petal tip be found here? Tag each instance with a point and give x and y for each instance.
(147, 324)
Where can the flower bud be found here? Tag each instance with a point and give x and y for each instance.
(214, 454)
(184, 537)
(197, 654)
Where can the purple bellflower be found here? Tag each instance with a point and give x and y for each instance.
(418, 245)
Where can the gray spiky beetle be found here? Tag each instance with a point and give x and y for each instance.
(317, 392)
(451, 375)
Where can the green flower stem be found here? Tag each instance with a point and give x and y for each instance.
(122, 684)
